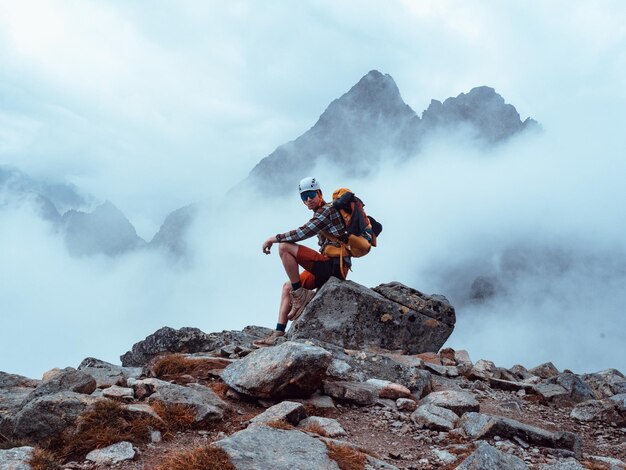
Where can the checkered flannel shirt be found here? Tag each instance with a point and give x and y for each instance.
(326, 219)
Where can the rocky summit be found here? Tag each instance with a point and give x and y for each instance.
(362, 380)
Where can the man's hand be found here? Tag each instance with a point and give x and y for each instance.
(267, 246)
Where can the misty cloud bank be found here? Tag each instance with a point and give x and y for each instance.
(534, 226)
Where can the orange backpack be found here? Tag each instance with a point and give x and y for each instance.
(362, 230)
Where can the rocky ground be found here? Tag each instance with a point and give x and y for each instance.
(184, 399)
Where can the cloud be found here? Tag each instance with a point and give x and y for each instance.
(156, 108)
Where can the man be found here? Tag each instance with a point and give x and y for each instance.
(328, 225)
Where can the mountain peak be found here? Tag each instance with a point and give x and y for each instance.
(374, 93)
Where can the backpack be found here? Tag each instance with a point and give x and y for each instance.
(362, 231)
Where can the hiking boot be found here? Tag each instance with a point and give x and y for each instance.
(299, 299)
(269, 340)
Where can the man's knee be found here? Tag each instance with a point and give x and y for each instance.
(290, 248)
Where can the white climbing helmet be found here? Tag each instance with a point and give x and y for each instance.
(308, 184)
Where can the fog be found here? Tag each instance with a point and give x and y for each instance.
(179, 103)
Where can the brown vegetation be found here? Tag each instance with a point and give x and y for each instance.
(348, 458)
(199, 458)
(44, 460)
(106, 423)
(316, 429)
(279, 424)
(7, 443)
(220, 388)
(176, 417)
(172, 366)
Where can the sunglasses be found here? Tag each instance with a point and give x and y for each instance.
(308, 195)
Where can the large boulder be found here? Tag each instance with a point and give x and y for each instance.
(107, 374)
(13, 391)
(17, 458)
(68, 379)
(49, 415)
(264, 447)
(479, 426)
(392, 317)
(206, 404)
(486, 457)
(359, 366)
(187, 340)
(288, 370)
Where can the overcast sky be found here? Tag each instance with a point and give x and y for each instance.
(155, 105)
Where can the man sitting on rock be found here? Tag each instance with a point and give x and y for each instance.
(318, 268)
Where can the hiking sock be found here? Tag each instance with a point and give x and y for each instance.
(296, 285)
(281, 327)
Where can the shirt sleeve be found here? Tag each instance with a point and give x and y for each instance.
(320, 221)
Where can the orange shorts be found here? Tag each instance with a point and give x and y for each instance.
(317, 268)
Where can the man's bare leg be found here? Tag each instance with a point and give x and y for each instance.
(285, 304)
(288, 253)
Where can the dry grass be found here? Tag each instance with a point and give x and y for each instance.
(315, 428)
(8, 443)
(199, 458)
(175, 365)
(176, 417)
(105, 423)
(348, 458)
(44, 460)
(279, 424)
(220, 388)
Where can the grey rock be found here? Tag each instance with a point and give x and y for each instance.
(107, 374)
(551, 392)
(486, 457)
(520, 372)
(486, 426)
(484, 370)
(353, 392)
(288, 370)
(461, 356)
(206, 404)
(13, 391)
(398, 368)
(545, 370)
(118, 393)
(387, 389)
(435, 418)
(17, 458)
(456, 401)
(263, 447)
(142, 410)
(187, 340)
(355, 317)
(113, 454)
(564, 464)
(50, 415)
(320, 402)
(444, 456)
(614, 464)
(68, 379)
(577, 390)
(509, 385)
(331, 427)
(606, 383)
(597, 410)
(620, 402)
(287, 411)
(406, 404)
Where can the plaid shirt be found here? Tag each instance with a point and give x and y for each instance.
(326, 219)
